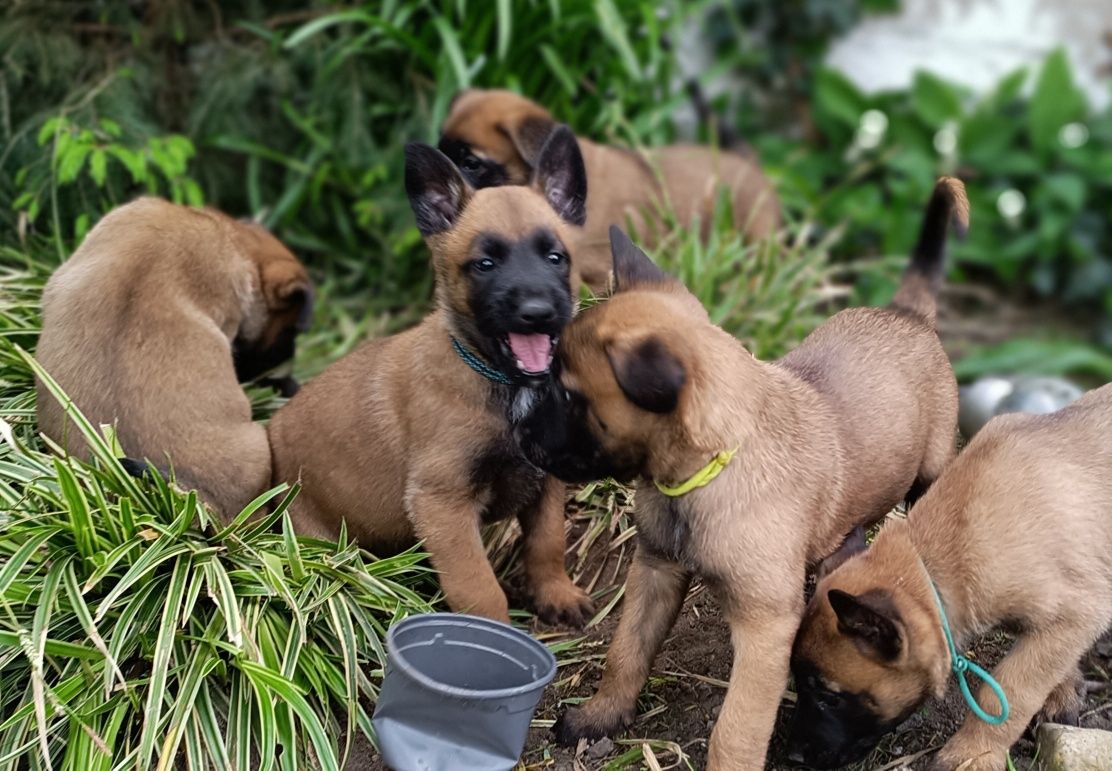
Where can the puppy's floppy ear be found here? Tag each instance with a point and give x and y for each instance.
(872, 620)
(631, 265)
(529, 135)
(649, 374)
(561, 177)
(299, 297)
(854, 544)
(437, 192)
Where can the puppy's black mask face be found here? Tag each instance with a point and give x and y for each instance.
(276, 344)
(252, 360)
(832, 728)
(519, 295)
(557, 437)
(479, 172)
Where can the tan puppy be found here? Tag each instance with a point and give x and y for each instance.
(1018, 529)
(830, 437)
(494, 137)
(149, 323)
(410, 436)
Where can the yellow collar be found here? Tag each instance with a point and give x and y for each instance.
(700, 478)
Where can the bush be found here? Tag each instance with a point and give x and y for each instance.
(300, 113)
(134, 627)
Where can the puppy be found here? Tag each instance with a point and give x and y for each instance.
(1017, 529)
(800, 452)
(151, 324)
(494, 136)
(410, 436)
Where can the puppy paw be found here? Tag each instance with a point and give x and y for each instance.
(988, 761)
(562, 603)
(583, 723)
(1063, 705)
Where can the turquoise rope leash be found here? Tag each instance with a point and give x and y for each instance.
(961, 665)
(474, 362)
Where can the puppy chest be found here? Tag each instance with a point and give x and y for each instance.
(510, 484)
(663, 528)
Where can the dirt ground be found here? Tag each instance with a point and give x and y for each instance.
(678, 707)
(686, 691)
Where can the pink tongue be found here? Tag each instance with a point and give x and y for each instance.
(531, 350)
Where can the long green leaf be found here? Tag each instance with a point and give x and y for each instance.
(160, 663)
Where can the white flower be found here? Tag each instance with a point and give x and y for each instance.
(1073, 135)
(1011, 204)
(946, 139)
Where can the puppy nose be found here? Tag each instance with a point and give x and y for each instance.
(536, 311)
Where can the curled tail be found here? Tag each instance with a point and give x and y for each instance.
(918, 291)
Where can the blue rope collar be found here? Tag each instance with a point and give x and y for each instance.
(472, 360)
(960, 665)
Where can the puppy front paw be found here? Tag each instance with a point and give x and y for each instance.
(562, 603)
(952, 761)
(586, 723)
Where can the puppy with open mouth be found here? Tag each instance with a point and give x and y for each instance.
(1017, 530)
(750, 471)
(410, 436)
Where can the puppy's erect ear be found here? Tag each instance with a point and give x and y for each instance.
(529, 135)
(437, 192)
(872, 620)
(631, 265)
(561, 177)
(649, 374)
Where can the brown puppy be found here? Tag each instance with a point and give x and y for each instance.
(1018, 529)
(411, 435)
(830, 437)
(494, 137)
(147, 327)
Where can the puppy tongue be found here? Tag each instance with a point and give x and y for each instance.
(532, 351)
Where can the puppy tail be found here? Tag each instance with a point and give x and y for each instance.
(918, 292)
(725, 137)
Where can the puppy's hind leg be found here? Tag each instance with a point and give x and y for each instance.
(556, 598)
(655, 592)
(1063, 705)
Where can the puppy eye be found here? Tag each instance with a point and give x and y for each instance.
(471, 163)
(483, 265)
(556, 258)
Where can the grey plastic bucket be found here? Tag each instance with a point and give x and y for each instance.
(459, 693)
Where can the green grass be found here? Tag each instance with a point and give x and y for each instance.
(134, 627)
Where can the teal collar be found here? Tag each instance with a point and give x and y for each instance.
(472, 360)
(960, 665)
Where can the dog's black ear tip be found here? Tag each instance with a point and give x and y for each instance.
(618, 237)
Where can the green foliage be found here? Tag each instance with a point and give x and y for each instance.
(881, 153)
(776, 50)
(300, 112)
(768, 294)
(134, 628)
(92, 162)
